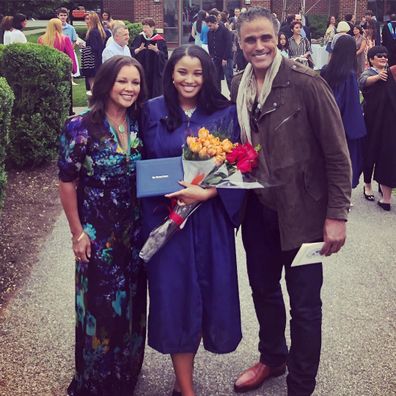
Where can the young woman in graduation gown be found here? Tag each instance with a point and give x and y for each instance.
(192, 279)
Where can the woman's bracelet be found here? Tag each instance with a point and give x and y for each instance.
(79, 238)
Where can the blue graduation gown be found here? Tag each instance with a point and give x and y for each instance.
(347, 97)
(193, 278)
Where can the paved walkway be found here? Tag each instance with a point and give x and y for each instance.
(358, 355)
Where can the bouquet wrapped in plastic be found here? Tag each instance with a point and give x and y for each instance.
(208, 161)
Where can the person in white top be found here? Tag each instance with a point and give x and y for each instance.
(16, 35)
(119, 46)
(6, 27)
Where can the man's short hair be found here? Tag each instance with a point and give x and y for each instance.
(254, 13)
(348, 17)
(211, 19)
(369, 13)
(62, 10)
(214, 11)
(294, 23)
(116, 29)
(148, 21)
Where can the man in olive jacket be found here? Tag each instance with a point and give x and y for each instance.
(290, 111)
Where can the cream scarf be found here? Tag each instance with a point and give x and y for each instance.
(247, 94)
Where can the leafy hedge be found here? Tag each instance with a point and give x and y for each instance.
(81, 31)
(134, 30)
(40, 79)
(317, 25)
(6, 102)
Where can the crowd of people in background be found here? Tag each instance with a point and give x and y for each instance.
(213, 30)
(134, 90)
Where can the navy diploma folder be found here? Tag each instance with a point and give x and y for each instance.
(159, 176)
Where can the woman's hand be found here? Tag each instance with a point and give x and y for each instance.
(192, 194)
(82, 247)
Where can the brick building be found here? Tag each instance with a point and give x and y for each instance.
(175, 16)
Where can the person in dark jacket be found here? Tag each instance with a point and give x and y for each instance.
(220, 49)
(95, 41)
(350, 19)
(304, 158)
(286, 26)
(389, 39)
(371, 20)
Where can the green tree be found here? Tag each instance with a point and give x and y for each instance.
(44, 8)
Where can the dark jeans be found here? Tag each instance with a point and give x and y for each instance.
(229, 72)
(265, 261)
(219, 72)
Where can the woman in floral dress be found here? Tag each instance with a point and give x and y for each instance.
(97, 158)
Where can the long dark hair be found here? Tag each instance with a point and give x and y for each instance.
(104, 81)
(329, 20)
(17, 21)
(210, 98)
(200, 18)
(286, 47)
(343, 61)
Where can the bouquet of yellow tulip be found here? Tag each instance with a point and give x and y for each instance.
(206, 146)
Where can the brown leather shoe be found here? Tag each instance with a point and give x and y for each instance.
(253, 377)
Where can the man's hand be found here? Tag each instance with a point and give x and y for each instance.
(224, 62)
(383, 75)
(334, 235)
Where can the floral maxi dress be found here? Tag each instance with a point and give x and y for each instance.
(111, 288)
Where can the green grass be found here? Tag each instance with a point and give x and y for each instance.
(26, 29)
(32, 38)
(79, 93)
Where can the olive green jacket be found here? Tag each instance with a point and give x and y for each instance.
(304, 154)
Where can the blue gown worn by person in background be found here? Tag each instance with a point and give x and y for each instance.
(347, 97)
(193, 278)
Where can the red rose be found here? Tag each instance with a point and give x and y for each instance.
(250, 151)
(244, 166)
(236, 154)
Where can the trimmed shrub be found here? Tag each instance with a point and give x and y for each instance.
(318, 25)
(6, 102)
(2, 47)
(40, 79)
(134, 30)
(81, 31)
